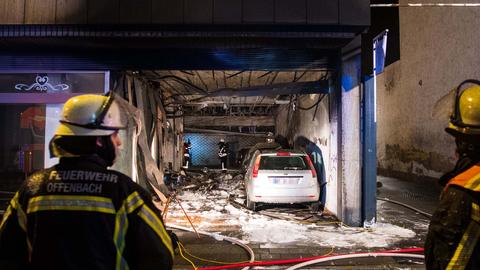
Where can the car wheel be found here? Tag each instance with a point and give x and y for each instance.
(251, 205)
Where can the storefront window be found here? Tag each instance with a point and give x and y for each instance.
(30, 107)
(22, 143)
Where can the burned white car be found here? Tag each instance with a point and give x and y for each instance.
(281, 176)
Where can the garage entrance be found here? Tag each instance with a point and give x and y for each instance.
(302, 108)
(240, 70)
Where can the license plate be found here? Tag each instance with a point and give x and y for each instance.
(284, 181)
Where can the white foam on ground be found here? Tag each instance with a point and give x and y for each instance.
(265, 230)
(268, 231)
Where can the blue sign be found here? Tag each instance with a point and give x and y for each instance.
(380, 51)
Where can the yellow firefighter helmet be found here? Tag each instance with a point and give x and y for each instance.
(90, 115)
(465, 119)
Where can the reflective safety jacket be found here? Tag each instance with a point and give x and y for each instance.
(453, 240)
(186, 149)
(79, 215)
(222, 152)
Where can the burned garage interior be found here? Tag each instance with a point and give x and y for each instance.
(217, 97)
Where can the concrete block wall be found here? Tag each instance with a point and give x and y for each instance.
(413, 109)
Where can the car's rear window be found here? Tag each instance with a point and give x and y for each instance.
(283, 163)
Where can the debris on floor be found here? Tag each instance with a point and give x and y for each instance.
(214, 201)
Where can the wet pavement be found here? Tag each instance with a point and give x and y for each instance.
(297, 232)
(213, 202)
(423, 196)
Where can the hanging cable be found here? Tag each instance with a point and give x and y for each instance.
(181, 81)
(406, 206)
(206, 260)
(225, 238)
(315, 112)
(180, 247)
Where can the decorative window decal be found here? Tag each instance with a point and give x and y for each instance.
(41, 84)
(50, 87)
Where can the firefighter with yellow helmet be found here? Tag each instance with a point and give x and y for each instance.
(453, 240)
(78, 214)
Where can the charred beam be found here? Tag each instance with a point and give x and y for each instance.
(202, 121)
(200, 130)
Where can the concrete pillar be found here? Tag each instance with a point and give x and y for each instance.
(349, 146)
(334, 191)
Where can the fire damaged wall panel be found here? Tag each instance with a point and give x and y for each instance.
(227, 11)
(290, 11)
(168, 12)
(322, 12)
(198, 11)
(258, 11)
(315, 131)
(173, 143)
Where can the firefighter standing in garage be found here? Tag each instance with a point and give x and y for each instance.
(223, 154)
(186, 153)
(78, 214)
(453, 240)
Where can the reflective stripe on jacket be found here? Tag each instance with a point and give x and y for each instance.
(469, 179)
(79, 215)
(470, 239)
(453, 240)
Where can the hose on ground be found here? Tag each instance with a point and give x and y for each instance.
(226, 238)
(349, 256)
(301, 260)
(406, 206)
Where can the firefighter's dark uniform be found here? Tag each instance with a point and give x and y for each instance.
(79, 215)
(223, 154)
(186, 154)
(453, 240)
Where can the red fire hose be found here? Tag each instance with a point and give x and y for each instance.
(299, 260)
